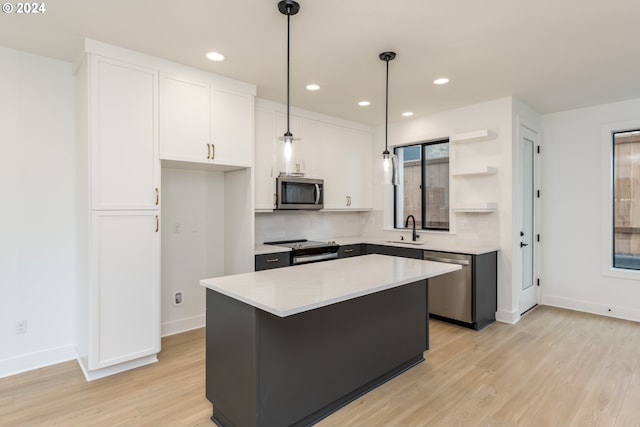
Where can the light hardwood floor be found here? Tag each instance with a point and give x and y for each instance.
(554, 368)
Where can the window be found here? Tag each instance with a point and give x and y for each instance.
(423, 172)
(626, 200)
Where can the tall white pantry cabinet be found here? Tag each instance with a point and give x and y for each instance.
(119, 136)
(119, 216)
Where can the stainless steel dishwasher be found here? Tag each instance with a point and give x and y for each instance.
(450, 294)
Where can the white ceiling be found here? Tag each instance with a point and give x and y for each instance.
(553, 55)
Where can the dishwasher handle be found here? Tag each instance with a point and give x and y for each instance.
(448, 260)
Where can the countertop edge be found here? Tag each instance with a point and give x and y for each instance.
(443, 268)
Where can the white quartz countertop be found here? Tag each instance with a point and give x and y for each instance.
(288, 291)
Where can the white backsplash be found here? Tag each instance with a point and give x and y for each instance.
(474, 229)
(312, 225)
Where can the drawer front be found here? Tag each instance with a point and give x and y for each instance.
(269, 261)
(349, 251)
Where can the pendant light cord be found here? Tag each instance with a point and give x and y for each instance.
(288, 83)
(386, 111)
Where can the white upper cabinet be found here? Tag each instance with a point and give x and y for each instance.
(355, 172)
(232, 127)
(184, 120)
(124, 141)
(347, 155)
(202, 122)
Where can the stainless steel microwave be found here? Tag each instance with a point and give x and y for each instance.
(295, 192)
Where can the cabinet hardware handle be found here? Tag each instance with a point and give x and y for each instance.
(208, 151)
(157, 223)
(213, 151)
(348, 251)
(157, 196)
(273, 260)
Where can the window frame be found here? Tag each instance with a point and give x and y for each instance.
(423, 149)
(607, 230)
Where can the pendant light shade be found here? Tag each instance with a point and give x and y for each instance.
(287, 152)
(389, 161)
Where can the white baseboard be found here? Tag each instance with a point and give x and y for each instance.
(39, 359)
(618, 312)
(183, 325)
(510, 317)
(96, 374)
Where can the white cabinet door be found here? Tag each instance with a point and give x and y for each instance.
(358, 183)
(124, 141)
(125, 287)
(232, 128)
(184, 120)
(342, 157)
(265, 183)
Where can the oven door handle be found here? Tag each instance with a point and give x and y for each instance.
(317, 194)
(301, 259)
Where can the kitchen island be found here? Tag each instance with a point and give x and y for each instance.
(289, 346)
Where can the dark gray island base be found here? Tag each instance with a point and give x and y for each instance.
(266, 370)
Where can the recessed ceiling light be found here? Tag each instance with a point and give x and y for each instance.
(407, 114)
(441, 81)
(364, 103)
(215, 56)
(313, 87)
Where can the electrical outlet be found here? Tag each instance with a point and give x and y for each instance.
(177, 228)
(177, 299)
(21, 327)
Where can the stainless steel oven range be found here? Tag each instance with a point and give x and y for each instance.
(304, 251)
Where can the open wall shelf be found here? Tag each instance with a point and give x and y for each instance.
(475, 207)
(478, 135)
(483, 170)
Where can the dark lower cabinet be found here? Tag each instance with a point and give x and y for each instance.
(274, 260)
(268, 371)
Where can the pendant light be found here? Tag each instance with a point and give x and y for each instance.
(292, 162)
(389, 161)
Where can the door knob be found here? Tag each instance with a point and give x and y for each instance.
(522, 245)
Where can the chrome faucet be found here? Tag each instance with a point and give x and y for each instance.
(414, 235)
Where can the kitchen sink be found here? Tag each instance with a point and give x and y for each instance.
(406, 242)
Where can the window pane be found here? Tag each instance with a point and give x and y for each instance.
(429, 204)
(408, 193)
(626, 200)
(436, 191)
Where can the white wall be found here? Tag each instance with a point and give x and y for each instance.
(572, 213)
(192, 243)
(37, 232)
(479, 228)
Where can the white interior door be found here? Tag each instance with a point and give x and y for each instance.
(529, 293)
